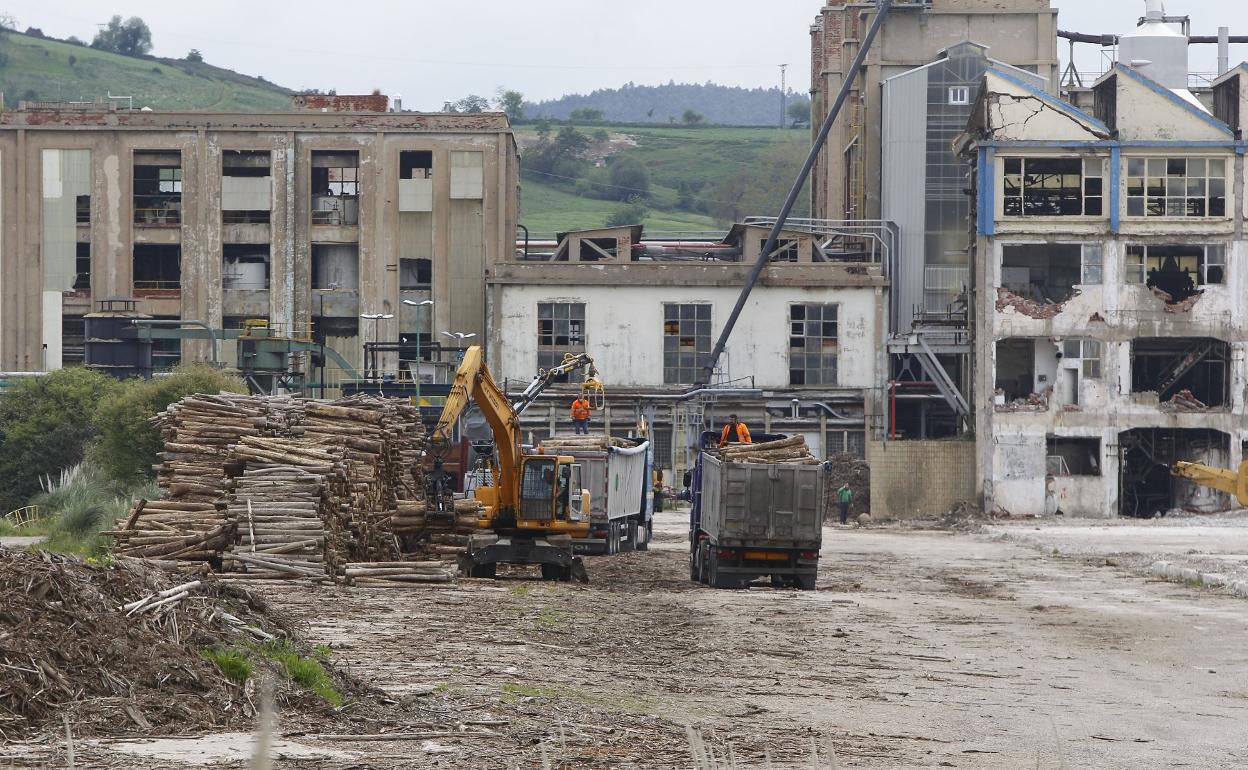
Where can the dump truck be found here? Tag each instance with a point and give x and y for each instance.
(621, 508)
(751, 520)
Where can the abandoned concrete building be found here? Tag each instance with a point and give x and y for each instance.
(309, 219)
(803, 358)
(1109, 284)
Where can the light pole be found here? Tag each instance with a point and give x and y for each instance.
(374, 317)
(461, 337)
(416, 304)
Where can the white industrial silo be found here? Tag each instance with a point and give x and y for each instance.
(1156, 49)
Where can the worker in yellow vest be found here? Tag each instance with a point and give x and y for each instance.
(580, 415)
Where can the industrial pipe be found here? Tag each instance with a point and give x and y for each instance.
(798, 186)
(1108, 40)
(212, 333)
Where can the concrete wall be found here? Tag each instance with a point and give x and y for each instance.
(917, 479)
(624, 330)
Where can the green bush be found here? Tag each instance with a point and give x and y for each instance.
(128, 444)
(632, 213)
(45, 426)
(234, 664)
(78, 506)
(305, 671)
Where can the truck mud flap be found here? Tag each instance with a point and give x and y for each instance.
(557, 562)
(592, 546)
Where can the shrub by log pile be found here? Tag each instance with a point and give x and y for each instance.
(786, 451)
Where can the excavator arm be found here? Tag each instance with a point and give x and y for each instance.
(1232, 482)
(474, 384)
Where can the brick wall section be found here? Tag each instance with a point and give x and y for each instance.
(917, 479)
(343, 103)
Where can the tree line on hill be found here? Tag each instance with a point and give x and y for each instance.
(672, 103)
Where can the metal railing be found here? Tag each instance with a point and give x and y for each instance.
(845, 240)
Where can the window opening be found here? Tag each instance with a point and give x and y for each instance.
(785, 251)
(1176, 187)
(560, 330)
(1174, 272)
(959, 95)
(246, 187)
(416, 164)
(246, 267)
(1073, 456)
(335, 188)
(813, 344)
(157, 188)
(157, 267)
(1049, 273)
(82, 267)
(1186, 373)
(686, 342)
(415, 274)
(1051, 187)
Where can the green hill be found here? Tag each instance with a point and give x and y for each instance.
(46, 69)
(700, 178)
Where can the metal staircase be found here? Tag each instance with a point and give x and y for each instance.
(1182, 365)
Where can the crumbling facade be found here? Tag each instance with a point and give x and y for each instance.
(1109, 286)
(308, 219)
(803, 358)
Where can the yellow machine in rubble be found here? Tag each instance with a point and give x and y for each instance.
(1232, 482)
(535, 504)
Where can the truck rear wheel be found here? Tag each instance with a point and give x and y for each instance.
(807, 582)
(643, 538)
(484, 571)
(721, 581)
(631, 543)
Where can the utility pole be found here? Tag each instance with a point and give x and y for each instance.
(784, 96)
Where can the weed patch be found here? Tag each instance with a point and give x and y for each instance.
(234, 663)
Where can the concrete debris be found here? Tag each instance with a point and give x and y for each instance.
(1030, 308)
(1037, 402)
(1184, 401)
(1183, 306)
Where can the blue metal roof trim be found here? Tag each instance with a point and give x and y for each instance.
(1175, 99)
(1051, 100)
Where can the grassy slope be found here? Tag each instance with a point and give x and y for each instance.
(701, 156)
(42, 67)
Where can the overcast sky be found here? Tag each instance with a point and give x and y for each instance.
(433, 50)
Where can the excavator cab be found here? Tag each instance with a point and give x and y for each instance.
(551, 495)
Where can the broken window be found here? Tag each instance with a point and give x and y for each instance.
(82, 213)
(157, 267)
(1073, 456)
(594, 249)
(415, 274)
(416, 164)
(246, 187)
(1026, 370)
(1189, 373)
(1049, 273)
(560, 330)
(1054, 187)
(813, 344)
(246, 267)
(73, 339)
(686, 342)
(1176, 187)
(785, 251)
(82, 265)
(335, 188)
(158, 188)
(1175, 271)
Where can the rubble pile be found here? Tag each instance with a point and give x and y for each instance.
(96, 646)
(848, 469)
(1182, 306)
(1033, 402)
(1184, 401)
(1030, 308)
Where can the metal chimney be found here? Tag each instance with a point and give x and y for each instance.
(1156, 49)
(1224, 50)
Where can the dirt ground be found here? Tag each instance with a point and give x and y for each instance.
(920, 649)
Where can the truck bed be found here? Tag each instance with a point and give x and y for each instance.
(762, 505)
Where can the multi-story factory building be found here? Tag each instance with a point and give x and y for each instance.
(310, 219)
(1111, 269)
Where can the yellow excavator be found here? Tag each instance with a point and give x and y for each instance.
(534, 504)
(1232, 482)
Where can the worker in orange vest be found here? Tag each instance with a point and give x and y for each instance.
(580, 414)
(735, 431)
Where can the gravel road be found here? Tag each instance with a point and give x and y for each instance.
(919, 649)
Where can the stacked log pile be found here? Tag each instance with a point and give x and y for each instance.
(174, 530)
(583, 443)
(400, 572)
(787, 451)
(278, 510)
